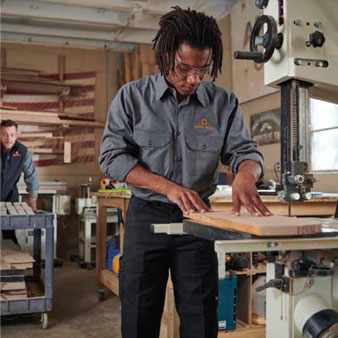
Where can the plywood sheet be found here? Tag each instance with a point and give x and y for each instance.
(260, 226)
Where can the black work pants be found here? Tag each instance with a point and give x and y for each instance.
(143, 276)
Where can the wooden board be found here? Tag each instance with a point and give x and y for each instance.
(13, 294)
(13, 286)
(260, 226)
(27, 208)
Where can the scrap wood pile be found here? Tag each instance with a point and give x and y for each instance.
(14, 265)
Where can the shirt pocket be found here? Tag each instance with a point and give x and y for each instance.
(204, 152)
(155, 151)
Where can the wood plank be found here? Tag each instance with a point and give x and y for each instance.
(110, 280)
(4, 296)
(16, 257)
(3, 210)
(45, 118)
(45, 151)
(244, 333)
(13, 294)
(260, 226)
(13, 286)
(67, 152)
(28, 209)
(36, 135)
(21, 266)
(10, 208)
(19, 208)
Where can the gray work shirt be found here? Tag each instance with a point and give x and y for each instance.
(182, 142)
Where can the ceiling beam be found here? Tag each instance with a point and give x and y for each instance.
(63, 42)
(33, 10)
(29, 9)
(150, 6)
(120, 5)
(120, 35)
(136, 35)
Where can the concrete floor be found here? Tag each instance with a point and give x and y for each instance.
(76, 310)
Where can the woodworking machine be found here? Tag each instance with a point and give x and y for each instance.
(297, 41)
(302, 277)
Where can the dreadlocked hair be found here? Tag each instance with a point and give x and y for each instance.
(191, 27)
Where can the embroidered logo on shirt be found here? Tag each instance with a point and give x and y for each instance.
(16, 154)
(203, 124)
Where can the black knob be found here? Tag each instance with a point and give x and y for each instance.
(261, 4)
(317, 39)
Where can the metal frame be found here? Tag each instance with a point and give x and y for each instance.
(227, 241)
(36, 223)
(232, 241)
(28, 245)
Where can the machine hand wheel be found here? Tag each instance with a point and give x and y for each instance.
(269, 40)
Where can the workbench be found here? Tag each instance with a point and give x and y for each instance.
(105, 200)
(318, 206)
(321, 206)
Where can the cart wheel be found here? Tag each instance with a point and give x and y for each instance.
(83, 265)
(44, 320)
(100, 294)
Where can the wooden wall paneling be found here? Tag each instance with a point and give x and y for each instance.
(225, 78)
(136, 64)
(127, 66)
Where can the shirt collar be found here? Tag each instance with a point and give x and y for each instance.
(162, 87)
(201, 95)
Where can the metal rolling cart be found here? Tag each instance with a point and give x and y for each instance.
(40, 300)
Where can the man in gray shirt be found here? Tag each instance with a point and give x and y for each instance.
(15, 160)
(164, 136)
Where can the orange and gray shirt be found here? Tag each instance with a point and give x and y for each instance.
(14, 162)
(182, 142)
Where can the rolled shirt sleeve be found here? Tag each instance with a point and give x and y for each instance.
(238, 144)
(118, 150)
(30, 175)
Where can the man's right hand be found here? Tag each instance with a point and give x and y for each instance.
(188, 200)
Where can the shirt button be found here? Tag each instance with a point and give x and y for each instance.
(178, 133)
(178, 159)
(204, 146)
(150, 142)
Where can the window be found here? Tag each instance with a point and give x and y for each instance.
(324, 135)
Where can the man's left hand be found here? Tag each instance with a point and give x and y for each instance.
(32, 203)
(244, 192)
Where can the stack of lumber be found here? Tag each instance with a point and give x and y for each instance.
(16, 80)
(16, 208)
(13, 267)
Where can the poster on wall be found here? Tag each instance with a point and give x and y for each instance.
(265, 127)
